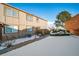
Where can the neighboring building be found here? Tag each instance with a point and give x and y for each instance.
(72, 25)
(17, 23)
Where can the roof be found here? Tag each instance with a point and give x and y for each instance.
(73, 18)
(22, 11)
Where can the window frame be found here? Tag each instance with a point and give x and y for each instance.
(11, 27)
(29, 18)
(17, 13)
(13, 12)
(8, 12)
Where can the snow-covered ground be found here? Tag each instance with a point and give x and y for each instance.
(50, 46)
(19, 40)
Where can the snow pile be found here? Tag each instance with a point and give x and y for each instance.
(2, 47)
(17, 41)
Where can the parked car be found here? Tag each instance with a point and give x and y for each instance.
(60, 33)
(52, 33)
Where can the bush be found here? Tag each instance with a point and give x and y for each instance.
(42, 31)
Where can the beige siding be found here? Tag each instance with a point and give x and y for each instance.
(11, 21)
(42, 23)
(29, 22)
(21, 20)
(18, 18)
(1, 10)
(2, 17)
(22, 27)
(15, 21)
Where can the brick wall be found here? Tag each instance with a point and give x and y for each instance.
(73, 25)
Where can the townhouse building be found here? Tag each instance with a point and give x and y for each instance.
(18, 23)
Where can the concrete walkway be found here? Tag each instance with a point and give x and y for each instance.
(50, 46)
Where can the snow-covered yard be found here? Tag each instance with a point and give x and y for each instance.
(19, 40)
(50, 46)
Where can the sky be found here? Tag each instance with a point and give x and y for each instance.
(48, 11)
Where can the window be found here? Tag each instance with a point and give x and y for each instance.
(29, 17)
(11, 29)
(29, 29)
(9, 12)
(15, 13)
(14, 28)
(8, 29)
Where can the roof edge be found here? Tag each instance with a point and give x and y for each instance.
(22, 11)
